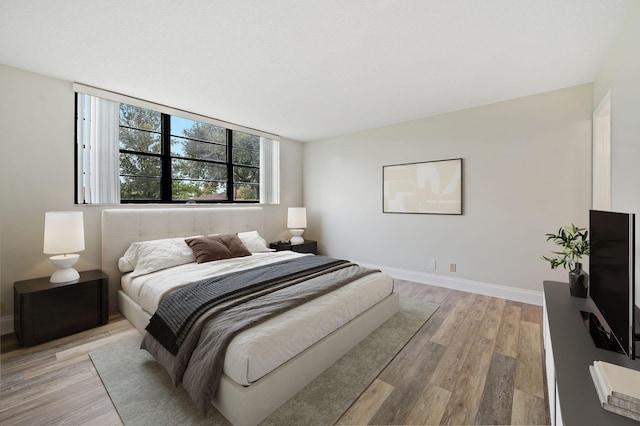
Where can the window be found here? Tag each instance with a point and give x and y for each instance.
(166, 156)
(140, 151)
(169, 158)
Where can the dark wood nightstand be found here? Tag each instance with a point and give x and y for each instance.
(45, 311)
(309, 246)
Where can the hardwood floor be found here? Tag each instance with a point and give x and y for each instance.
(478, 360)
(55, 382)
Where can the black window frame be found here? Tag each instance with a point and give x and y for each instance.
(166, 178)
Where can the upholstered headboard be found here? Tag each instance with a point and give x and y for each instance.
(121, 227)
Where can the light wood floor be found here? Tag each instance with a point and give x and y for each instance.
(478, 360)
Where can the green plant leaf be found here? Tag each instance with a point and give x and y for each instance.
(574, 242)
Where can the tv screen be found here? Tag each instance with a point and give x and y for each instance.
(611, 270)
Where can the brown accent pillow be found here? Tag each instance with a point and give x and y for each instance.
(217, 247)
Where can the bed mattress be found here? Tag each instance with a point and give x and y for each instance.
(259, 350)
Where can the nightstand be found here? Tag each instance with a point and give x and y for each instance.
(45, 311)
(309, 246)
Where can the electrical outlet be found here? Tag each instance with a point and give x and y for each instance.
(431, 264)
(452, 267)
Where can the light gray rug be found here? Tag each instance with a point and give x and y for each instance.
(143, 394)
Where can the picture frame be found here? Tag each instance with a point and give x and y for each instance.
(429, 187)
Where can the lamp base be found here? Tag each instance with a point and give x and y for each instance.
(65, 273)
(296, 239)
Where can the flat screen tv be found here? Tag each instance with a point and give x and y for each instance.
(612, 276)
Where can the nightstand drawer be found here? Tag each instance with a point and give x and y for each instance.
(309, 246)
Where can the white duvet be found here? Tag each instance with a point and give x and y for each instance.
(259, 350)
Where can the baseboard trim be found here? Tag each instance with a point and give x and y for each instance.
(6, 325)
(471, 286)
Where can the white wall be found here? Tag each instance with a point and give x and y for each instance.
(36, 175)
(527, 171)
(621, 76)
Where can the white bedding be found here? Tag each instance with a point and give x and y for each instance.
(257, 351)
(148, 290)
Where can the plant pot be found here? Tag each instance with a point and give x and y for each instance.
(578, 281)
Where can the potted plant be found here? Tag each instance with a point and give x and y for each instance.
(575, 244)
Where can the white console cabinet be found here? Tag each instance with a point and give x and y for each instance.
(552, 390)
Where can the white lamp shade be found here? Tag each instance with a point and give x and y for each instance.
(297, 218)
(63, 232)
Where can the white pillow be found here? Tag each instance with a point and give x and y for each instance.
(254, 242)
(124, 265)
(144, 257)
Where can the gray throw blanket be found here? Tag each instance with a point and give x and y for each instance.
(199, 361)
(178, 311)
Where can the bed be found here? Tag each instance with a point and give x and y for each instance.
(242, 400)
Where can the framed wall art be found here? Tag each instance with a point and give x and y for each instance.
(432, 187)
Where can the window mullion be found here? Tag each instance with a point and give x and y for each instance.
(230, 192)
(165, 180)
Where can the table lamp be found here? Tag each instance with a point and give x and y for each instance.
(296, 222)
(63, 235)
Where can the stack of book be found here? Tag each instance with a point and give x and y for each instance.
(618, 388)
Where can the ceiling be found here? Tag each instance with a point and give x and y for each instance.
(314, 69)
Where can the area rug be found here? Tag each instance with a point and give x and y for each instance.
(143, 394)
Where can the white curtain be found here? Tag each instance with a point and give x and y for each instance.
(98, 150)
(269, 171)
